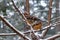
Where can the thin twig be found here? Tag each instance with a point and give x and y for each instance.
(27, 6)
(53, 37)
(49, 18)
(54, 24)
(8, 34)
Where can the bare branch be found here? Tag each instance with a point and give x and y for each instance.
(54, 24)
(27, 6)
(13, 28)
(22, 16)
(8, 34)
(49, 18)
(21, 13)
(53, 37)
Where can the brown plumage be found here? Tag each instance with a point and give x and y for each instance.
(32, 19)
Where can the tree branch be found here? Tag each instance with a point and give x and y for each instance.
(13, 28)
(54, 24)
(53, 37)
(21, 14)
(23, 17)
(8, 34)
(49, 18)
(27, 6)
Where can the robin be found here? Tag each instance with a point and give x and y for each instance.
(32, 19)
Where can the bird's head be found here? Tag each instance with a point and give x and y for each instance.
(26, 13)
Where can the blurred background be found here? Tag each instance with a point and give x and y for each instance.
(38, 8)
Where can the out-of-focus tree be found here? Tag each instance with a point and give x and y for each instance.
(38, 8)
